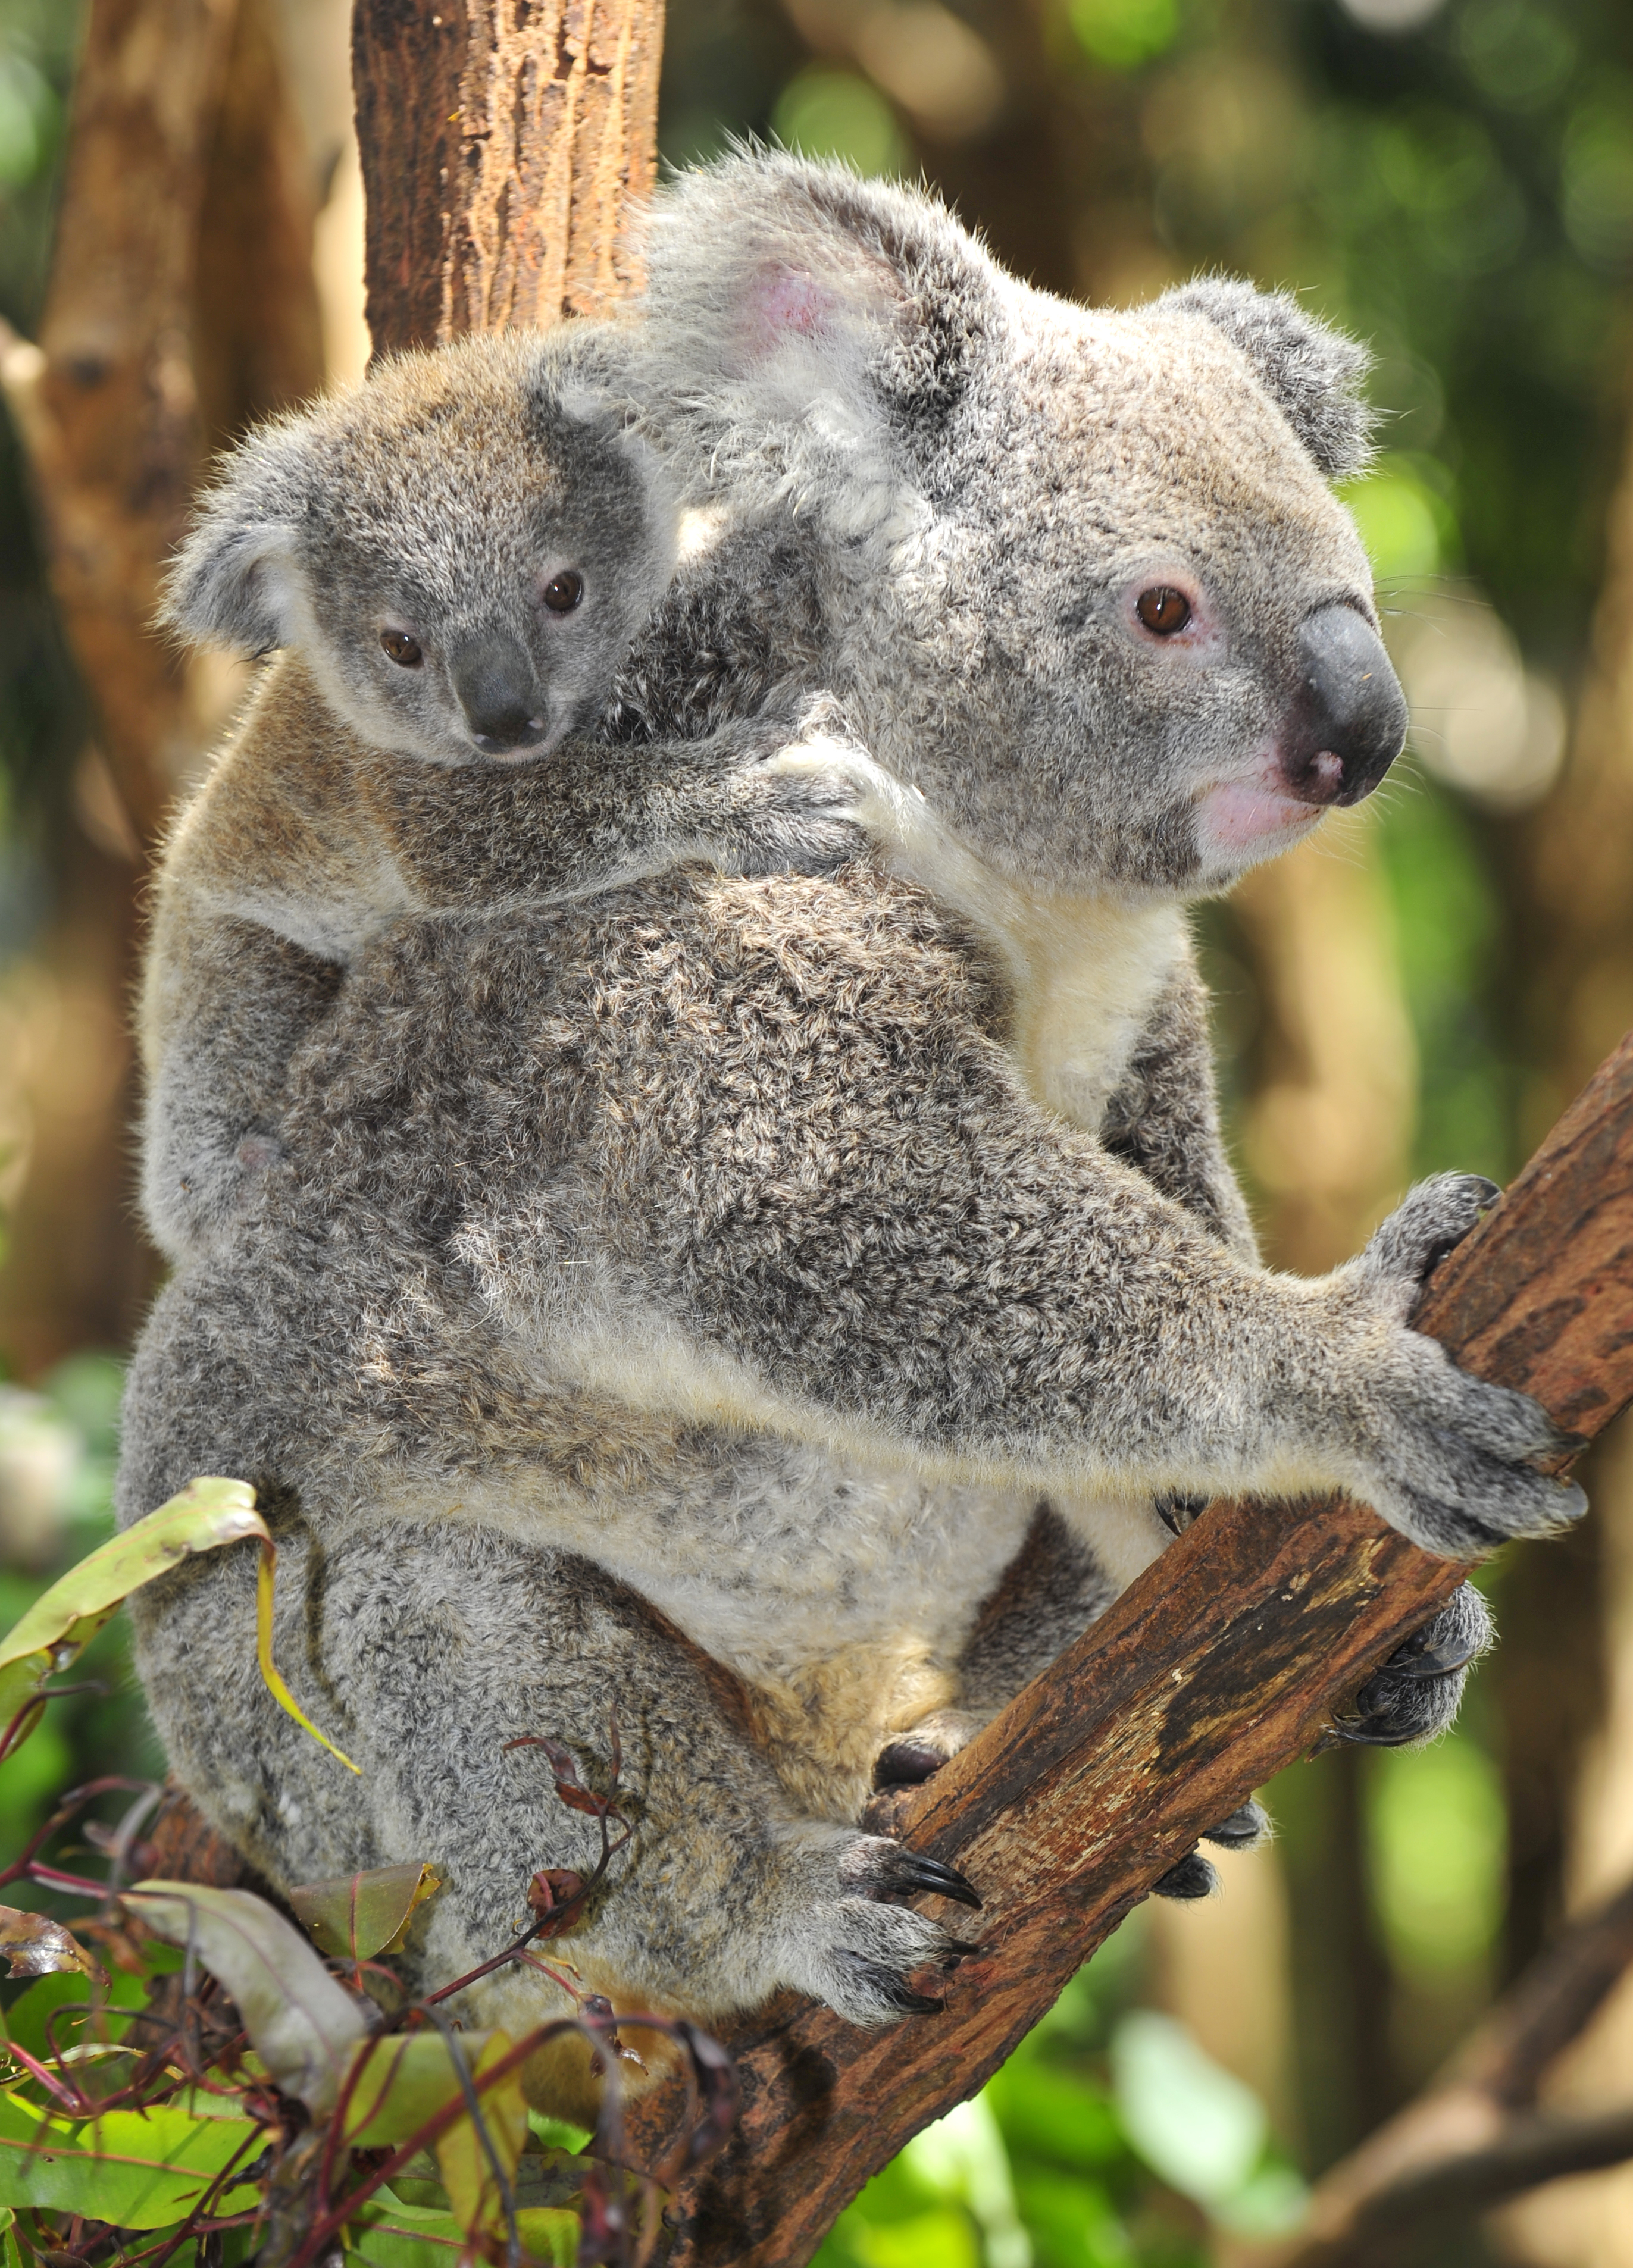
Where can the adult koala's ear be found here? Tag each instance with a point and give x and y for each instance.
(796, 310)
(235, 579)
(1314, 373)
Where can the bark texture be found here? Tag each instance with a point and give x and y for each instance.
(1224, 1662)
(502, 143)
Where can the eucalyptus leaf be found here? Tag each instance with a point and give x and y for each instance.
(305, 2026)
(64, 1619)
(357, 1915)
(135, 2169)
(467, 2169)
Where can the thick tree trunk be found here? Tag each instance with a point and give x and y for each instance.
(502, 144)
(181, 305)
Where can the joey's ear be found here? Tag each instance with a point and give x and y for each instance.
(234, 580)
(770, 274)
(1314, 372)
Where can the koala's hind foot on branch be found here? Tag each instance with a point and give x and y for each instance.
(1416, 1693)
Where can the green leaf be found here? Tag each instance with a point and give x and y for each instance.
(401, 2081)
(1194, 2124)
(558, 2133)
(64, 1619)
(357, 1915)
(135, 2169)
(305, 2026)
(462, 2161)
(550, 2233)
(388, 2234)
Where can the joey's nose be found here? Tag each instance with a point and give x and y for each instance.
(493, 679)
(1350, 715)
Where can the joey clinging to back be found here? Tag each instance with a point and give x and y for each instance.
(454, 559)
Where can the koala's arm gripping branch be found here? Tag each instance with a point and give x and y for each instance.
(1219, 1665)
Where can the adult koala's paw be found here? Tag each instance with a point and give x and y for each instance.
(1193, 1876)
(1417, 1693)
(854, 1947)
(1448, 1460)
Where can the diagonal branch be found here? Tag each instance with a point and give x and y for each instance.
(1224, 1663)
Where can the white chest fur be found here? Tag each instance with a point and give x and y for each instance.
(1086, 971)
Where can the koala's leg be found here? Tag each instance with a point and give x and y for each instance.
(427, 1653)
(228, 1002)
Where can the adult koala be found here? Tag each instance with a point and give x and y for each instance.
(777, 1305)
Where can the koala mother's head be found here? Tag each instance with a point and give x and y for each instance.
(461, 550)
(1091, 589)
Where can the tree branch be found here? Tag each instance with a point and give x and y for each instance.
(1223, 1663)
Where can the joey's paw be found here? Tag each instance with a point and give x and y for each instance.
(1416, 1692)
(859, 1951)
(1193, 1876)
(1429, 1222)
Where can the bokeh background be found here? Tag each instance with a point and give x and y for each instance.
(1424, 986)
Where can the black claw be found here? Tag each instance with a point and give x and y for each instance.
(1415, 1661)
(913, 1871)
(1193, 1878)
(1378, 1731)
(1248, 1825)
(956, 1950)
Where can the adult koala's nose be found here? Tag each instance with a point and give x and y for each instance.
(1350, 715)
(493, 677)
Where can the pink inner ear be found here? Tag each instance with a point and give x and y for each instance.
(785, 300)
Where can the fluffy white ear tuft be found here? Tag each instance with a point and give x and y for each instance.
(809, 327)
(236, 580)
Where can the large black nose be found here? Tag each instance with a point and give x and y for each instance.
(1350, 715)
(503, 707)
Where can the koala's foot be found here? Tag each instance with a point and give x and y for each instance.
(1194, 1876)
(916, 1755)
(1417, 1693)
(851, 1946)
(1450, 1462)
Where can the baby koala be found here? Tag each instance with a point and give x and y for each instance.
(454, 559)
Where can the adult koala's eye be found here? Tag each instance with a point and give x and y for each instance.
(403, 650)
(562, 592)
(1163, 609)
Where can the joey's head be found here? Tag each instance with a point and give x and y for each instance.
(460, 550)
(1095, 594)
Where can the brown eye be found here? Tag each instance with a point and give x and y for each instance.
(562, 592)
(1164, 610)
(403, 650)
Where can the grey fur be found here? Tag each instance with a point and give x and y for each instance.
(1313, 372)
(726, 1266)
(351, 794)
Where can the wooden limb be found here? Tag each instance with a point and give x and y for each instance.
(500, 150)
(1224, 1663)
(105, 404)
(1475, 2139)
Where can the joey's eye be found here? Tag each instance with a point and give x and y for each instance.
(562, 592)
(403, 650)
(1164, 609)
